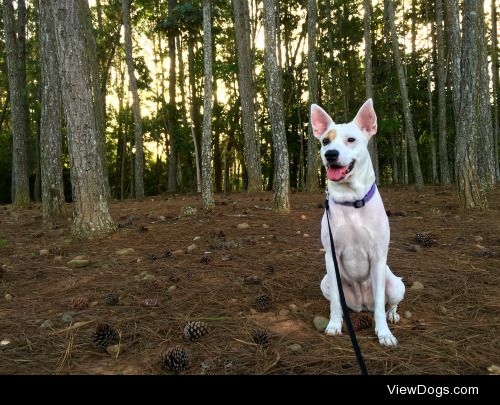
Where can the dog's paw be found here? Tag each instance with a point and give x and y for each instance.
(393, 316)
(334, 328)
(387, 340)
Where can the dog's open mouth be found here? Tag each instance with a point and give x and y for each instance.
(337, 173)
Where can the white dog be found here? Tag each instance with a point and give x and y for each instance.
(359, 224)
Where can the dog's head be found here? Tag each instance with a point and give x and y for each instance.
(344, 146)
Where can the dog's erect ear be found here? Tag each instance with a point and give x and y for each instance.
(320, 120)
(366, 119)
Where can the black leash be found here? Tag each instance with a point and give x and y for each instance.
(345, 309)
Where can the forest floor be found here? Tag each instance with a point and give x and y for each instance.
(453, 326)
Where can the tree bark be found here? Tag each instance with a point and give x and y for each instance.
(136, 108)
(372, 145)
(90, 208)
(206, 144)
(410, 135)
(468, 127)
(485, 145)
(172, 110)
(276, 113)
(495, 84)
(454, 50)
(441, 88)
(312, 184)
(16, 71)
(50, 125)
(329, 25)
(247, 95)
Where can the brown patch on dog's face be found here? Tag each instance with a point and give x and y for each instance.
(331, 135)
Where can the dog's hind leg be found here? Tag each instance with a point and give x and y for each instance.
(394, 291)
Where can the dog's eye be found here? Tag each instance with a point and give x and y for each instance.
(326, 141)
(351, 140)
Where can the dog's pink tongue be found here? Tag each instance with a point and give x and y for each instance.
(335, 173)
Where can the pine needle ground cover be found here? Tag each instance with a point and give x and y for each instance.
(450, 317)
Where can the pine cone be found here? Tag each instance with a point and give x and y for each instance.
(261, 337)
(361, 320)
(205, 259)
(143, 229)
(263, 302)
(80, 302)
(175, 358)
(195, 330)
(424, 239)
(104, 336)
(111, 298)
(167, 253)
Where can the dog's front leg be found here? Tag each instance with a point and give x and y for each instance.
(378, 276)
(335, 325)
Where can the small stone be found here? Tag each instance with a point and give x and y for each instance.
(150, 302)
(293, 307)
(58, 259)
(414, 248)
(320, 323)
(265, 226)
(253, 311)
(284, 312)
(233, 300)
(78, 263)
(243, 225)
(417, 285)
(161, 218)
(126, 251)
(44, 252)
(172, 288)
(295, 347)
(178, 252)
(478, 239)
(93, 303)
(148, 276)
(442, 310)
(67, 318)
(5, 342)
(306, 235)
(8, 297)
(298, 233)
(225, 258)
(303, 216)
(114, 350)
(47, 324)
(192, 248)
(196, 238)
(407, 314)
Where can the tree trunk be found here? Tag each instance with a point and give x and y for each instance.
(97, 95)
(16, 70)
(206, 143)
(412, 144)
(485, 145)
(172, 111)
(454, 51)
(372, 145)
(496, 86)
(50, 125)
(329, 25)
(468, 127)
(276, 113)
(247, 95)
(90, 208)
(136, 108)
(441, 88)
(312, 184)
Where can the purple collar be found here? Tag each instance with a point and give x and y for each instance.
(359, 203)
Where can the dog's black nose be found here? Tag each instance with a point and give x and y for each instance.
(332, 155)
